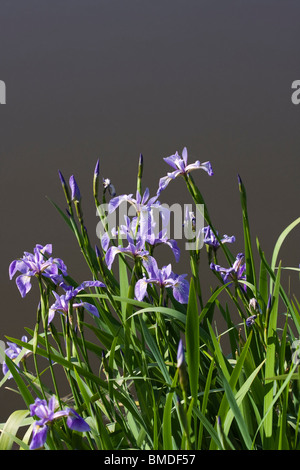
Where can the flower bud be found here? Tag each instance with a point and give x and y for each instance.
(181, 365)
(96, 179)
(75, 193)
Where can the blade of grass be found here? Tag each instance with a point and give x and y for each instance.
(192, 341)
(250, 266)
(270, 364)
(278, 245)
(11, 428)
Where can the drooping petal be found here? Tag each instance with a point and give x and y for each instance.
(23, 284)
(174, 247)
(105, 240)
(39, 436)
(17, 265)
(206, 166)
(181, 290)
(91, 308)
(76, 422)
(140, 289)
(163, 183)
(110, 255)
(51, 314)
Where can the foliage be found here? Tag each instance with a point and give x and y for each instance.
(151, 374)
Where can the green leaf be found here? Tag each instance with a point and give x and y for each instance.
(240, 395)
(167, 429)
(11, 428)
(279, 243)
(27, 397)
(250, 266)
(270, 363)
(237, 414)
(192, 340)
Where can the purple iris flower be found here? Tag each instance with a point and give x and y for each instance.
(13, 352)
(181, 167)
(235, 273)
(163, 278)
(144, 209)
(133, 249)
(211, 240)
(62, 302)
(35, 264)
(47, 414)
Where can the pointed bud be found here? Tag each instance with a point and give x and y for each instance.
(181, 365)
(96, 178)
(140, 174)
(141, 166)
(65, 188)
(75, 193)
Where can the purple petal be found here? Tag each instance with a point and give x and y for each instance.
(110, 255)
(23, 284)
(151, 267)
(86, 284)
(181, 290)
(17, 265)
(91, 308)
(45, 249)
(39, 436)
(105, 239)
(207, 167)
(116, 201)
(172, 160)
(163, 183)
(185, 156)
(145, 196)
(76, 422)
(175, 249)
(140, 289)
(51, 314)
(193, 166)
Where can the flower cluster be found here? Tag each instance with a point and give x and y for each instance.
(48, 413)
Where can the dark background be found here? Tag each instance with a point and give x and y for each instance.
(110, 79)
